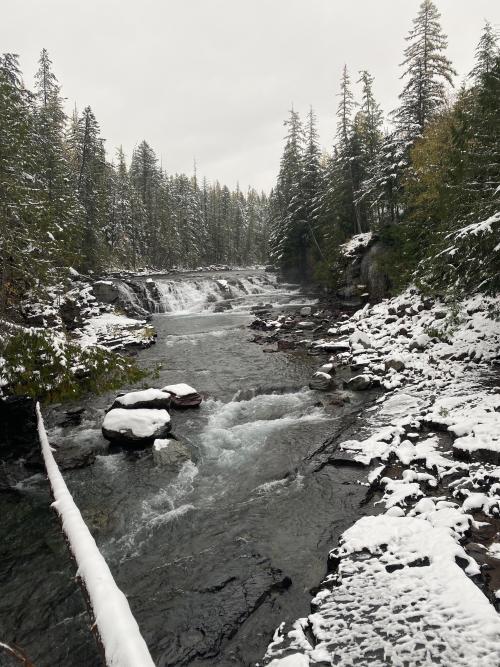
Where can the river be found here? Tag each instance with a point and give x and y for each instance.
(214, 557)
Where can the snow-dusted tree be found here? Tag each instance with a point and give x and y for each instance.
(486, 54)
(427, 70)
(88, 158)
(368, 135)
(53, 173)
(145, 176)
(289, 236)
(21, 258)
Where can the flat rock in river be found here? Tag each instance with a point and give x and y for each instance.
(140, 426)
(183, 396)
(146, 398)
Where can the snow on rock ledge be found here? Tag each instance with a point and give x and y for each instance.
(183, 396)
(397, 597)
(118, 631)
(146, 398)
(140, 426)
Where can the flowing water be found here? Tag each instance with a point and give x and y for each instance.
(212, 557)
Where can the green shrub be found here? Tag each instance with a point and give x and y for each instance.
(43, 365)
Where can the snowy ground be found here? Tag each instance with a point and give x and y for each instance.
(417, 584)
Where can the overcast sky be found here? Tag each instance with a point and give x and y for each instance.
(214, 79)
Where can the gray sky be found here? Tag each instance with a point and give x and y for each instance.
(214, 79)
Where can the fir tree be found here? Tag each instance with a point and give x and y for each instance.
(426, 69)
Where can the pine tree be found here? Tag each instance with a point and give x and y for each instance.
(289, 238)
(486, 54)
(89, 172)
(427, 71)
(53, 173)
(368, 134)
(145, 176)
(345, 154)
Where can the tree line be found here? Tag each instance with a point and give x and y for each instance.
(428, 186)
(65, 203)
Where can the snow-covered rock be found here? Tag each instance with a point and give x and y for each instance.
(361, 382)
(140, 426)
(183, 396)
(321, 381)
(145, 398)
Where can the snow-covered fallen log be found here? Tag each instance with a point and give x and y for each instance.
(118, 631)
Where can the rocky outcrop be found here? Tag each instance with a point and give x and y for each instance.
(124, 295)
(361, 270)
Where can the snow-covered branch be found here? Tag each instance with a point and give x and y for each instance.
(118, 631)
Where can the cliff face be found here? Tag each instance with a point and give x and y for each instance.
(360, 271)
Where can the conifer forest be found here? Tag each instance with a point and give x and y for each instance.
(250, 333)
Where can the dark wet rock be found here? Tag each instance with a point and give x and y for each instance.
(72, 417)
(70, 313)
(395, 363)
(481, 455)
(222, 306)
(260, 311)
(170, 453)
(286, 344)
(258, 324)
(72, 458)
(18, 427)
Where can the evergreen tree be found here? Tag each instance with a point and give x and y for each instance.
(427, 71)
(89, 163)
(289, 238)
(22, 246)
(53, 173)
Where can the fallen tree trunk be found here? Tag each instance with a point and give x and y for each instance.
(118, 633)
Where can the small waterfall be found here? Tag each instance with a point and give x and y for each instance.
(201, 295)
(188, 296)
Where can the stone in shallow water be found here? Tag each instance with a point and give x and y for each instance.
(321, 381)
(146, 398)
(183, 396)
(140, 426)
(170, 453)
(362, 382)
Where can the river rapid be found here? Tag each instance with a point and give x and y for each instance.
(215, 556)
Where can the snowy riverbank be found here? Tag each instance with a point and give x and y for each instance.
(420, 580)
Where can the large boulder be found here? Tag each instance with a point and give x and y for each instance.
(321, 381)
(121, 294)
(154, 399)
(135, 427)
(170, 453)
(362, 382)
(183, 396)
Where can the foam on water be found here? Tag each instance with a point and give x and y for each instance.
(236, 429)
